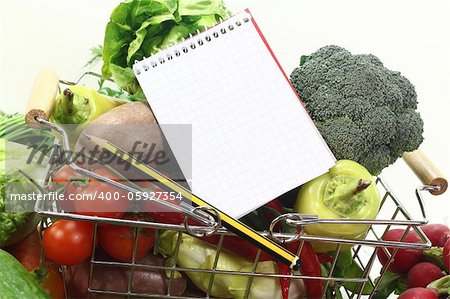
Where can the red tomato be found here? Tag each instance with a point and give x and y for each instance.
(28, 252)
(101, 199)
(64, 178)
(51, 281)
(118, 241)
(68, 242)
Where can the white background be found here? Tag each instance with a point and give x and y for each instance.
(412, 37)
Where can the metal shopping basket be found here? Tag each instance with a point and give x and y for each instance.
(392, 214)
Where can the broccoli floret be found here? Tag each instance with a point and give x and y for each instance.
(344, 137)
(408, 133)
(324, 104)
(379, 158)
(364, 111)
(379, 127)
(407, 90)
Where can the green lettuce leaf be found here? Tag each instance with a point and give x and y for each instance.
(140, 28)
(14, 226)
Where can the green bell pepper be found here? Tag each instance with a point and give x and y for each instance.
(346, 191)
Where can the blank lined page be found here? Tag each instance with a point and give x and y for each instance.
(252, 139)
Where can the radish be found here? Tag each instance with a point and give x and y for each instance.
(422, 274)
(437, 233)
(418, 293)
(405, 258)
(446, 254)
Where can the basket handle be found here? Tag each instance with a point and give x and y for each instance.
(42, 97)
(426, 171)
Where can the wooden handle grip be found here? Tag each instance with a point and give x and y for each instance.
(42, 97)
(426, 171)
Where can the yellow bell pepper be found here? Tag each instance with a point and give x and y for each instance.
(80, 105)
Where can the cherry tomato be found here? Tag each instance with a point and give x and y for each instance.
(68, 242)
(118, 241)
(63, 176)
(68, 179)
(28, 252)
(101, 199)
(51, 281)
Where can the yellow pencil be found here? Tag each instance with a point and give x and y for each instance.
(234, 225)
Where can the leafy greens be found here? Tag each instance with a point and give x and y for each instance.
(140, 28)
(19, 221)
(17, 142)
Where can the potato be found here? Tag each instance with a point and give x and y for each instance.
(123, 126)
(115, 279)
(133, 128)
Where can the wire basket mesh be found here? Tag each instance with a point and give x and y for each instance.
(364, 251)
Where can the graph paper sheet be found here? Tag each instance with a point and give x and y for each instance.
(252, 139)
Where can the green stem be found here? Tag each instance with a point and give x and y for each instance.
(343, 195)
(442, 285)
(12, 127)
(434, 255)
(41, 270)
(68, 98)
(351, 190)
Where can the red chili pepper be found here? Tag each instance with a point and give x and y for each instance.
(310, 265)
(247, 250)
(277, 210)
(325, 258)
(285, 282)
(272, 210)
(277, 206)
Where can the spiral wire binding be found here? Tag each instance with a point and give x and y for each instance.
(161, 58)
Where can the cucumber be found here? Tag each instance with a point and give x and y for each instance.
(16, 282)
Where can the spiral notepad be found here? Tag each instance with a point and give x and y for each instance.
(252, 139)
